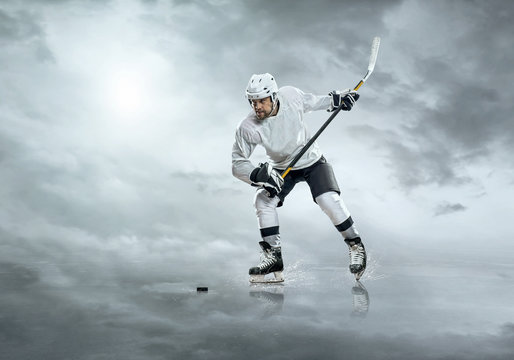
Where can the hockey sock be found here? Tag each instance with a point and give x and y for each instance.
(348, 229)
(271, 235)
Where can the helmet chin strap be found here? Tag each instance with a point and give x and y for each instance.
(273, 107)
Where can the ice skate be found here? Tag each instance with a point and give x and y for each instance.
(271, 263)
(357, 257)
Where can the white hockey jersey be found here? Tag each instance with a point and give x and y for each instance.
(282, 136)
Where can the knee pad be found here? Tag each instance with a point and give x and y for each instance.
(266, 209)
(263, 201)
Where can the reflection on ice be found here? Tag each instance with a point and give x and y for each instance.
(271, 296)
(360, 299)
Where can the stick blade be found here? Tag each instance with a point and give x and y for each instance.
(374, 53)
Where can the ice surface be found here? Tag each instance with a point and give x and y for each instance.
(418, 310)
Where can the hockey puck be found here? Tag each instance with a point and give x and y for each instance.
(202, 289)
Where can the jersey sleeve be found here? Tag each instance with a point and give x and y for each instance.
(313, 102)
(243, 147)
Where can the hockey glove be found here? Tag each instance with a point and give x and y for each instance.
(265, 176)
(347, 97)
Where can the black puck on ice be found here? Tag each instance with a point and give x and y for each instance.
(202, 289)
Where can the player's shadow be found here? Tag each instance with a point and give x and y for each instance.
(271, 298)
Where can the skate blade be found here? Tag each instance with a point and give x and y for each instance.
(358, 275)
(261, 279)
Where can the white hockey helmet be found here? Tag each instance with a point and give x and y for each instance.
(261, 86)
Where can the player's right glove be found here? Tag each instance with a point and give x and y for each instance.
(265, 176)
(348, 97)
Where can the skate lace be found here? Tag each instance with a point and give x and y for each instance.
(356, 255)
(266, 260)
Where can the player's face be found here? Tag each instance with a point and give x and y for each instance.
(262, 107)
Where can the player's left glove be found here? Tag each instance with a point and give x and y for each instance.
(264, 175)
(347, 97)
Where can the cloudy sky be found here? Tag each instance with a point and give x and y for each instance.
(117, 120)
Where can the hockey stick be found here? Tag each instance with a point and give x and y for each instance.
(372, 60)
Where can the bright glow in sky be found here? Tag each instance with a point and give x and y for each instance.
(126, 91)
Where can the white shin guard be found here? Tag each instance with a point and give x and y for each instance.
(332, 205)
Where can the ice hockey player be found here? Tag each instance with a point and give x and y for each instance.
(276, 122)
